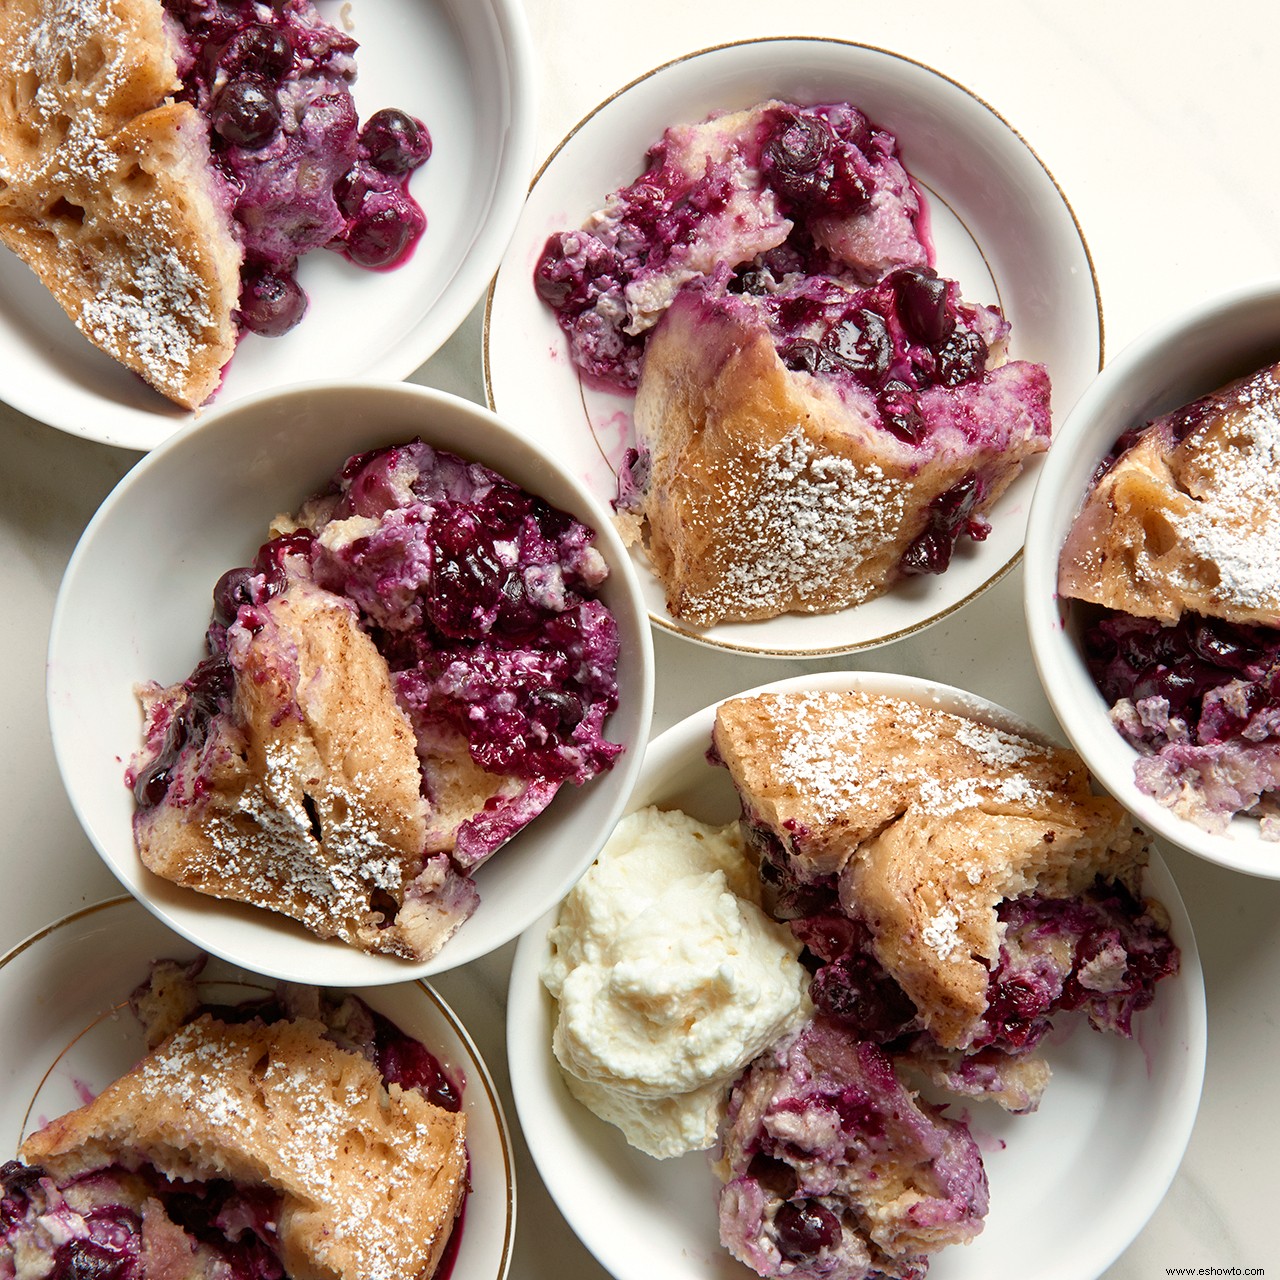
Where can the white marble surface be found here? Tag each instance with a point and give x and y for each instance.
(1153, 115)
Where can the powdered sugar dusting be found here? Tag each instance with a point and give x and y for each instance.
(847, 751)
(300, 1115)
(801, 517)
(1235, 523)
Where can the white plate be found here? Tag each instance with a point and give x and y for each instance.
(1071, 1185)
(66, 1032)
(462, 66)
(1002, 228)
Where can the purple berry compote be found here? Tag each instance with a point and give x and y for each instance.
(1200, 700)
(483, 601)
(1173, 568)
(273, 79)
(1101, 953)
(135, 1223)
(833, 1169)
(822, 180)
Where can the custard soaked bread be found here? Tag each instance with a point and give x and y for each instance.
(367, 1179)
(107, 190)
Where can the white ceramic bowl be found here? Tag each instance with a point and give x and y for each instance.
(1194, 353)
(1126, 1107)
(1001, 224)
(135, 601)
(466, 68)
(65, 1030)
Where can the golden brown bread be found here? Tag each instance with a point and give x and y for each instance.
(107, 191)
(370, 1177)
(929, 820)
(1188, 518)
(307, 799)
(768, 491)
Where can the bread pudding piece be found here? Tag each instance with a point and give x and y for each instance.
(1185, 516)
(803, 443)
(249, 1148)
(833, 1169)
(401, 681)
(724, 191)
(1179, 541)
(956, 884)
(164, 165)
(107, 191)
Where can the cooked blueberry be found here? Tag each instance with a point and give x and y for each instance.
(921, 298)
(567, 707)
(229, 593)
(271, 302)
(861, 343)
(804, 1228)
(795, 158)
(87, 1260)
(246, 113)
(260, 50)
(961, 358)
(380, 238)
(900, 411)
(776, 1176)
(395, 141)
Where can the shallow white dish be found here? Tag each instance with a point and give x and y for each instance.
(1222, 338)
(1071, 1185)
(465, 67)
(135, 601)
(1001, 225)
(66, 1032)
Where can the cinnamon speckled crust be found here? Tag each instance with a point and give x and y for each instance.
(768, 492)
(929, 820)
(370, 1177)
(107, 191)
(1189, 522)
(307, 798)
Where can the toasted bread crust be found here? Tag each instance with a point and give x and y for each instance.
(1189, 520)
(370, 1178)
(929, 820)
(107, 190)
(307, 799)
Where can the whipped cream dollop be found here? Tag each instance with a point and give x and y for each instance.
(670, 978)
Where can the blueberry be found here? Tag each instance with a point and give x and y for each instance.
(774, 1175)
(380, 238)
(804, 1228)
(246, 113)
(796, 157)
(921, 299)
(395, 141)
(861, 343)
(271, 302)
(260, 50)
(900, 411)
(962, 357)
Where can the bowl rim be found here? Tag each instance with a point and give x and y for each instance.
(636, 634)
(1076, 702)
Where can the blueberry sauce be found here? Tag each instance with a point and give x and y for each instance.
(273, 80)
(1200, 700)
